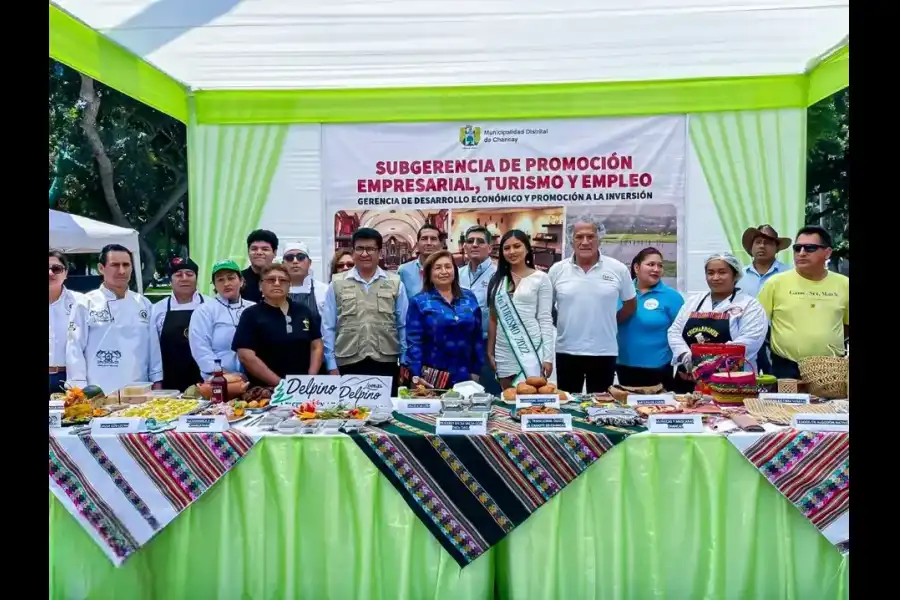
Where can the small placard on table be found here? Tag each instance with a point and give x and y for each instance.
(676, 423)
(838, 422)
(461, 425)
(202, 423)
(547, 423)
(118, 425)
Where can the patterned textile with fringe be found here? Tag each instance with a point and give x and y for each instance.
(471, 491)
(125, 489)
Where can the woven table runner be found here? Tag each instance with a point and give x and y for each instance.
(812, 470)
(471, 491)
(125, 489)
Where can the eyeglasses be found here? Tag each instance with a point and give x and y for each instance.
(276, 280)
(809, 248)
(57, 269)
(365, 249)
(293, 257)
(476, 241)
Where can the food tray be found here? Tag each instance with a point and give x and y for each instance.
(779, 413)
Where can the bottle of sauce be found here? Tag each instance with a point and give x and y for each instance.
(218, 383)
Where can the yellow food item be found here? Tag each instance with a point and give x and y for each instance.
(253, 404)
(161, 409)
(509, 394)
(239, 412)
(305, 416)
(264, 403)
(78, 411)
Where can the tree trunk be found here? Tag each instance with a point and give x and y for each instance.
(104, 165)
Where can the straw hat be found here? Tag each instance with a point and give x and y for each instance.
(766, 231)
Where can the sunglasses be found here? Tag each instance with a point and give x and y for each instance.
(345, 266)
(809, 248)
(476, 241)
(57, 269)
(293, 257)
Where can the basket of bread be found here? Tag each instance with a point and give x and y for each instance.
(621, 392)
(532, 386)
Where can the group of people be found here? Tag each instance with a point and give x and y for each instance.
(590, 319)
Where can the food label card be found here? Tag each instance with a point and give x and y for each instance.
(526, 400)
(118, 425)
(786, 398)
(821, 422)
(668, 423)
(460, 426)
(651, 399)
(202, 423)
(418, 406)
(547, 423)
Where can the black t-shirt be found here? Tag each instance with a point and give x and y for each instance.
(251, 289)
(263, 328)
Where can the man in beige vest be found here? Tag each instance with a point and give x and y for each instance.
(364, 315)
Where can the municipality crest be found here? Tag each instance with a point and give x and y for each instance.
(470, 136)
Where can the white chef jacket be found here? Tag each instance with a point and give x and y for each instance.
(211, 331)
(112, 341)
(747, 323)
(60, 311)
(158, 314)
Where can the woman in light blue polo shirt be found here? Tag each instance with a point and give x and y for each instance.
(644, 355)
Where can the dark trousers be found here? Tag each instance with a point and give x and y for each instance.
(488, 379)
(763, 364)
(367, 366)
(56, 381)
(643, 377)
(573, 370)
(782, 368)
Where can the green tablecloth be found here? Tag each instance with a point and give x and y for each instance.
(658, 516)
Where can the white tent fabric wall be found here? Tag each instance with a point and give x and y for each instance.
(339, 44)
(72, 234)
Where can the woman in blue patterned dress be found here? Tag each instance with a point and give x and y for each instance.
(443, 327)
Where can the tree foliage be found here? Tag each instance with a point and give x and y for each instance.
(828, 168)
(115, 159)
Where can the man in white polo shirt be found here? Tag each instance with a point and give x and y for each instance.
(586, 291)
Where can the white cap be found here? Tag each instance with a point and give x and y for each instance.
(730, 259)
(294, 247)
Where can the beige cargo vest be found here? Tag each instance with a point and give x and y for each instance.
(366, 323)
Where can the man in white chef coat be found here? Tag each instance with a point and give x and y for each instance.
(112, 341)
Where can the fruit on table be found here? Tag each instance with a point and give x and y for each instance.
(92, 391)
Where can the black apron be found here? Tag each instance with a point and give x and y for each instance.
(180, 370)
(702, 327)
(309, 301)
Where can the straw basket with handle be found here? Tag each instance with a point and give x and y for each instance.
(827, 376)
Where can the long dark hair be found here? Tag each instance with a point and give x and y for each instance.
(503, 270)
(428, 285)
(641, 257)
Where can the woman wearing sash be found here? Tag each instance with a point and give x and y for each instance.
(521, 336)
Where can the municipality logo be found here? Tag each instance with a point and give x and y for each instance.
(470, 136)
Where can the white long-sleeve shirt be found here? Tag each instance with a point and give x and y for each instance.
(748, 325)
(60, 312)
(211, 331)
(112, 341)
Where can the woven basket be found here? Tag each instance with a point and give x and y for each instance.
(827, 376)
(709, 359)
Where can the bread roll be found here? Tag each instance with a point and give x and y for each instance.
(525, 389)
(547, 389)
(509, 394)
(536, 382)
(563, 397)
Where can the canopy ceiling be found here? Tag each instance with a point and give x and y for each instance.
(328, 46)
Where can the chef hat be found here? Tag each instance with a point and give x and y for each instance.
(730, 259)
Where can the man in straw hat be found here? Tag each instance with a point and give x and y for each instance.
(762, 244)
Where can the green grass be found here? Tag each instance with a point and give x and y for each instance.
(670, 268)
(658, 238)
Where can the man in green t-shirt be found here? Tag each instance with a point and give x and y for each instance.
(808, 307)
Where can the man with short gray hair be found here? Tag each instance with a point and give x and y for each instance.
(586, 291)
(474, 276)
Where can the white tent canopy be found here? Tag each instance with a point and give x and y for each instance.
(72, 234)
(342, 44)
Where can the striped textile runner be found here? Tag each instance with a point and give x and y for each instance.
(812, 470)
(471, 491)
(124, 489)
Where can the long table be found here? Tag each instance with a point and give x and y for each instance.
(312, 517)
